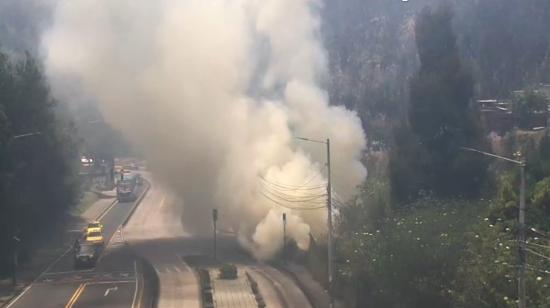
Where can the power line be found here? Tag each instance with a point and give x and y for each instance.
(538, 245)
(537, 254)
(292, 187)
(291, 207)
(302, 197)
(310, 200)
(540, 233)
(534, 269)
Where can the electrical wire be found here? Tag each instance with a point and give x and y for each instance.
(538, 245)
(300, 197)
(534, 269)
(292, 187)
(314, 199)
(293, 198)
(540, 233)
(291, 207)
(537, 254)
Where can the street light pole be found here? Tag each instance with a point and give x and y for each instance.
(329, 220)
(284, 238)
(521, 221)
(521, 238)
(214, 220)
(329, 214)
(15, 239)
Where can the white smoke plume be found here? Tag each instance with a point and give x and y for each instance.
(214, 92)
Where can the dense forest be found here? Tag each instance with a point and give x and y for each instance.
(505, 44)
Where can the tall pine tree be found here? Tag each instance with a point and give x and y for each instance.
(442, 118)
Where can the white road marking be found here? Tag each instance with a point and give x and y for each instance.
(107, 211)
(136, 278)
(136, 286)
(114, 289)
(109, 282)
(69, 272)
(51, 265)
(19, 296)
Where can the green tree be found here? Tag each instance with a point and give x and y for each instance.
(526, 105)
(38, 179)
(442, 117)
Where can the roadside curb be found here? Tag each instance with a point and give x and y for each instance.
(102, 195)
(313, 300)
(150, 287)
(136, 204)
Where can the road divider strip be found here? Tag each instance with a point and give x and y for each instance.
(138, 201)
(76, 295)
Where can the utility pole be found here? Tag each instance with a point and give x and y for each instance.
(15, 260)
(284, 238)
(521, 239)
(329, 219)
(15, 239)
(215, 219)
(329, 209)
(521, 222)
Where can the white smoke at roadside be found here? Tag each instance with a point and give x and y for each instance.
(213, 92)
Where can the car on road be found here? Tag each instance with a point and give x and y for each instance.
(94, 226)
(86, 255)
(95, 238)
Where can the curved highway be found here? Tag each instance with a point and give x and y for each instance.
(155, 232)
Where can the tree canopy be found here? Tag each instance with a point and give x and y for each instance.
(441, 117)
(38, 156)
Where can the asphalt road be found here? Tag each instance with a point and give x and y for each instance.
(111, 283)
(154, 232)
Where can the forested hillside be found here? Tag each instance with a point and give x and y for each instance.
(505, 43)
(435, 226)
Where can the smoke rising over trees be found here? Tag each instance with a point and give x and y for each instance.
(214, 94)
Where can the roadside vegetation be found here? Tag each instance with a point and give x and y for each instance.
(88, 198)
(38, 158)
(435, 226)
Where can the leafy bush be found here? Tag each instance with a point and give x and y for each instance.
(407, 259)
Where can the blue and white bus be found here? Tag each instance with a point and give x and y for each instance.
(127, 186)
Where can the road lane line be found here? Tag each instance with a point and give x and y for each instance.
(107, 210)
(75, 296)
(19, 296)
(109, 282)
(136, 290)
(108, 290)
(69, 272)
(68, 250)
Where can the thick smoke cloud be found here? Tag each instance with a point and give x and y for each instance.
(214, 92)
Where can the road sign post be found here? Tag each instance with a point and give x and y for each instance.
(15, 260)
(284, 238)
(214, 220)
